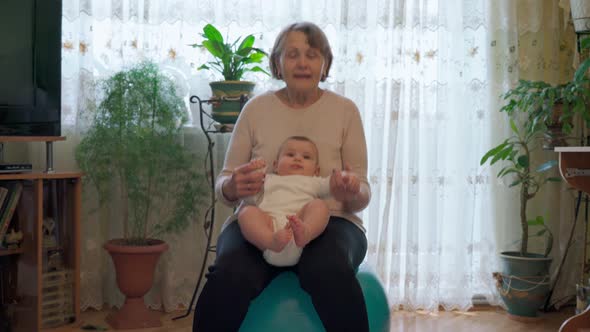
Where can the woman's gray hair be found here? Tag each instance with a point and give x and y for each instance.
(316, 39)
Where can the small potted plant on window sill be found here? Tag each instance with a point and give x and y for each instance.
(232, 61)
(132, 154)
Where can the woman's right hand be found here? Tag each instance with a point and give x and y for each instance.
(246, 180)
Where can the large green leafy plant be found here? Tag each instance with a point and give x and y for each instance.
(548, 105)
(133, 154)
(515, 152)
(232, 61)
(535, 109)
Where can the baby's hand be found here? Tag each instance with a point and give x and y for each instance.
(259, 165)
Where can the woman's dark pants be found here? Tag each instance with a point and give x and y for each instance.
(326, 270)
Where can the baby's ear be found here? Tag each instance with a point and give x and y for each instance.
(274, 166)
(317, 171)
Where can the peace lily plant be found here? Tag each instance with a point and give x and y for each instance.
(232, 60)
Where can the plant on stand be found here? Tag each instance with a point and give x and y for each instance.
(132, 154)
(524, 280)
(552, 109)
(232, 61)
(552, 112)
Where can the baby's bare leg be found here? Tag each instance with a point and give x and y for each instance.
(309, 222)
(257, 228)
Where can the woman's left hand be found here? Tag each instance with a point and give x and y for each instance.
(344, 185)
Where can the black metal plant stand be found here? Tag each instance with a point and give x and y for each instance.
(210, 214)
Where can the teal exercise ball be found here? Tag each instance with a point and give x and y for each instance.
(283, 306)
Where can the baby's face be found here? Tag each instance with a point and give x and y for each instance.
(297, 158)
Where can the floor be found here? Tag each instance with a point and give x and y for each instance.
(487, 319)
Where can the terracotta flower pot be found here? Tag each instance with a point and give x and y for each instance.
(135, 266)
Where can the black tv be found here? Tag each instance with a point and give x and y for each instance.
(30, 67)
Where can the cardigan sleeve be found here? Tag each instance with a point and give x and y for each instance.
(354, 153)
(238, 153)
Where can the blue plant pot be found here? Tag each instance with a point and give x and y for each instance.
(523, 296)
(524, 282)
(529, 265)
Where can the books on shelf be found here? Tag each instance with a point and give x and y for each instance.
(15, 168)
(13, 192)
(3, 194)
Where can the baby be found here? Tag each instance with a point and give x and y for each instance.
(289, 212)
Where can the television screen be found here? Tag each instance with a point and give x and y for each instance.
(30, 67)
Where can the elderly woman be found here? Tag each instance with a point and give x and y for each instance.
(301, 57)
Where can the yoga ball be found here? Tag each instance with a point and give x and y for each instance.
(283, 306)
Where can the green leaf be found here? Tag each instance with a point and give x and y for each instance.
(246, 46)
(215, 48)
(259, 50)
(523, 161)
(501, 172)
(258, 69)
(506, 171)
(581, 71)
(541, 232)
(211, 33)
(492, 152)
(549, 243)
(536, 222)
(255, 58)
(513, 126)
(503, 154)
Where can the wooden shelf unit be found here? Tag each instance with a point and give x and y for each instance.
(49, 140)
(7, 252)
(56, 195)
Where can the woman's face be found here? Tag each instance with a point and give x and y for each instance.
(301, 65)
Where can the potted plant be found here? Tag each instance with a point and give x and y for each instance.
(540, 110)
(524, 281)
(553, 108)
(132, 154)
(232, 61)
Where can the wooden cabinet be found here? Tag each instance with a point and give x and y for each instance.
(40, 280)
(47, 265)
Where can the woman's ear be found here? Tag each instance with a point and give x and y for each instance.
(317, 170)
(277, 70)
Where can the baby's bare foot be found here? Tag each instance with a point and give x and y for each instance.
(280, 239)
(300, 233)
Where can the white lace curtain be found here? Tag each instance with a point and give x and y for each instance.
(426, 76)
